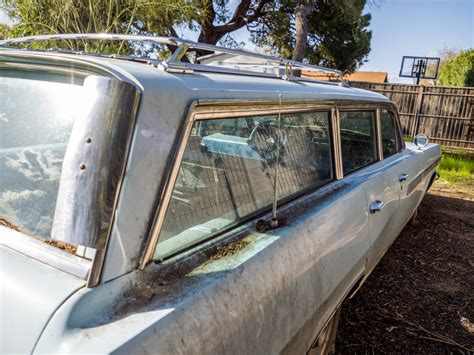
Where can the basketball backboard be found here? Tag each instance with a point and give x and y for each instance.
(419, 67)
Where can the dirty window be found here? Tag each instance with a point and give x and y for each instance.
(389, 133)
(37, 111)
(227, 172)
(357, 139)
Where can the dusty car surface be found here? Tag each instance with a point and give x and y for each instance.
(152, 206)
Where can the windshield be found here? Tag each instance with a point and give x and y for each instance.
(37, 111)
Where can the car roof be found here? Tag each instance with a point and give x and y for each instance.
(228, 85)
(208, 84)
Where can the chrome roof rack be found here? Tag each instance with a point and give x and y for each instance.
(174, 63)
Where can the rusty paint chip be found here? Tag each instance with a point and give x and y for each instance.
(63, 246)
(4, 222)
(230, 249)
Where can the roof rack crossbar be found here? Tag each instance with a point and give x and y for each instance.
(182, 46)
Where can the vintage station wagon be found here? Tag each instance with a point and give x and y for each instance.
(151, 206)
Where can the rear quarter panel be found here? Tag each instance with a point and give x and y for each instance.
(272, 296)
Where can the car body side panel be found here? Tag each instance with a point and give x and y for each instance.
(283, 285)
(420, 165)
(165, 103)
(30, 294)
(384, 186)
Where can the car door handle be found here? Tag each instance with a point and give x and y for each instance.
(403, 177)
(376, 206)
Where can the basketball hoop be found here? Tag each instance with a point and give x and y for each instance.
(419, 68)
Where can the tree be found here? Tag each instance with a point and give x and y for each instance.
(216, 20)
(34, 17)
(3, 31)
(459, 71)
(337, 34)
(302, 12)
(332, 33)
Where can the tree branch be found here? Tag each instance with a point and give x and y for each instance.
(241, 17)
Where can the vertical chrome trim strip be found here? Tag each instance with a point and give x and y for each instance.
(169, 186)
(400, 135)
(100, 254)
(378, 134)
(336, 141)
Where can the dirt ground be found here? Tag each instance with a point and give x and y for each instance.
(420, 298)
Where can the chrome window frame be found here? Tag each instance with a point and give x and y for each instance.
(83, 268)
(223, 109)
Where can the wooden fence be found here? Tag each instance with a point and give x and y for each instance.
(444, 114)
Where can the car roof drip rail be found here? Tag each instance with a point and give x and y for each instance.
(287, 68)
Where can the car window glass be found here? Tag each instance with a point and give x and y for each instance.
(389, 133)
(227, 172)
(358, 141)
(37, 112)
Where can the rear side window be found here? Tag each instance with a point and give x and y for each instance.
(358, 140)
(227, 173)
(389, 133)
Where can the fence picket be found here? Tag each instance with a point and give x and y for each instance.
(442, 113)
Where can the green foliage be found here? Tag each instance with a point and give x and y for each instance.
(337, 30)
(458, 71)
(35, 17)
(457, 168)
(337, 33)
(3, 31)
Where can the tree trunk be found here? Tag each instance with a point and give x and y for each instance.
(301, 26)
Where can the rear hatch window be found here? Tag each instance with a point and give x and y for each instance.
(37, 112)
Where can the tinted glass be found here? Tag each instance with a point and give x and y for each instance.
(37, 112)
(228, 167)
(389, 133)
(357, 140)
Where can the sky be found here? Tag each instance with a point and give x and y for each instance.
(417, 28)
(404, 27)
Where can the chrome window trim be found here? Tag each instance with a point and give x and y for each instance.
(89, 270)
(56, 60)
(378, 134)
(100, 254)
(222, 109)
(336, 141)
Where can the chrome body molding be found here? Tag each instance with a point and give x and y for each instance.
(427, 172)
(94, 163)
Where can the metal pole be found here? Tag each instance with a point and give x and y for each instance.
(274, 221)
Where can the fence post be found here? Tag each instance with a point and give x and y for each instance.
(416, 122)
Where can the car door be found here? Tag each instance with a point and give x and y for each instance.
(363, 149)
(411, 189)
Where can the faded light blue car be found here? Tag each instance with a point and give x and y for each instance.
(166, 207)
